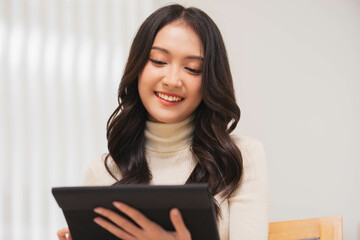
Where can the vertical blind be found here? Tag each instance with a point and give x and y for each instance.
(60, 65)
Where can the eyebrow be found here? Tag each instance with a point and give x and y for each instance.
(168, 53)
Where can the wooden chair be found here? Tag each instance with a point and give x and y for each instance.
(325, 228)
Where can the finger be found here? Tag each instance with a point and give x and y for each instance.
(136, 215)
(113, 229)
(62, 234)
(120, 221)
(179, 224)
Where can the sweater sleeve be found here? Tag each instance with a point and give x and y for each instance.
(96, 173)
(89, 178)
(248, 206)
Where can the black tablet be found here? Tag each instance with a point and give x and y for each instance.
(193, 200)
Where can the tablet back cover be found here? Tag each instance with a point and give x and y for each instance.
(193, 200)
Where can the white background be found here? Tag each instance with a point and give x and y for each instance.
(296, 68)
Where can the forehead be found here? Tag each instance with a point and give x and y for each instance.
(179, 37)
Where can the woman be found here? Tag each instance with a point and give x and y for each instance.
(176, 111)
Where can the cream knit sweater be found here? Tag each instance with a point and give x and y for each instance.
(244, 214)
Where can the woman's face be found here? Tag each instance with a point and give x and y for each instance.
(170, 83)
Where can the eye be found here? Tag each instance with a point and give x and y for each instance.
(195, 71)
(156, 62)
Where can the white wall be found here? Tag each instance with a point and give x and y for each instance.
(296, 66)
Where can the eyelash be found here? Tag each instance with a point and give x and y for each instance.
(156, 62)
(195, 71)
(160, 63)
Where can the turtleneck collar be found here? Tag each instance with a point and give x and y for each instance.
(168, 137)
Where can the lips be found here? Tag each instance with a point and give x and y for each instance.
(170, 98)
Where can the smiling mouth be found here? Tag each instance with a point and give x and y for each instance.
(169, 98)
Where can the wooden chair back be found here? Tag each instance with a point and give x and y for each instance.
(325, 228)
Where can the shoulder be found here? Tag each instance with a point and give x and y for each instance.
(254, 179)
(96, 173)
(251, 149)
(249, 203)
(246, 142)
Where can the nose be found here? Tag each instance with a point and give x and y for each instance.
(172, 79)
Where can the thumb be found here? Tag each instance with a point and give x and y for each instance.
(179, 224)
(62, 234)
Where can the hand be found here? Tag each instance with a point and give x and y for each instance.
(126, 230)
(64, 234)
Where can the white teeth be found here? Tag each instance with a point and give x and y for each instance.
(169, 98)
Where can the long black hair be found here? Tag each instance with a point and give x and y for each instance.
(219, 161)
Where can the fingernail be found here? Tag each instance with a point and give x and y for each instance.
(117, 204)
(98, 210)
(97, 220)
(176, 212)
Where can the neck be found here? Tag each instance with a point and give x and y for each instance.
(168, 137)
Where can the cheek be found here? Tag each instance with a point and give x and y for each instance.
(143, 84)
(149, 75)
(196, 87)
(143, 73)
(144, 79)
